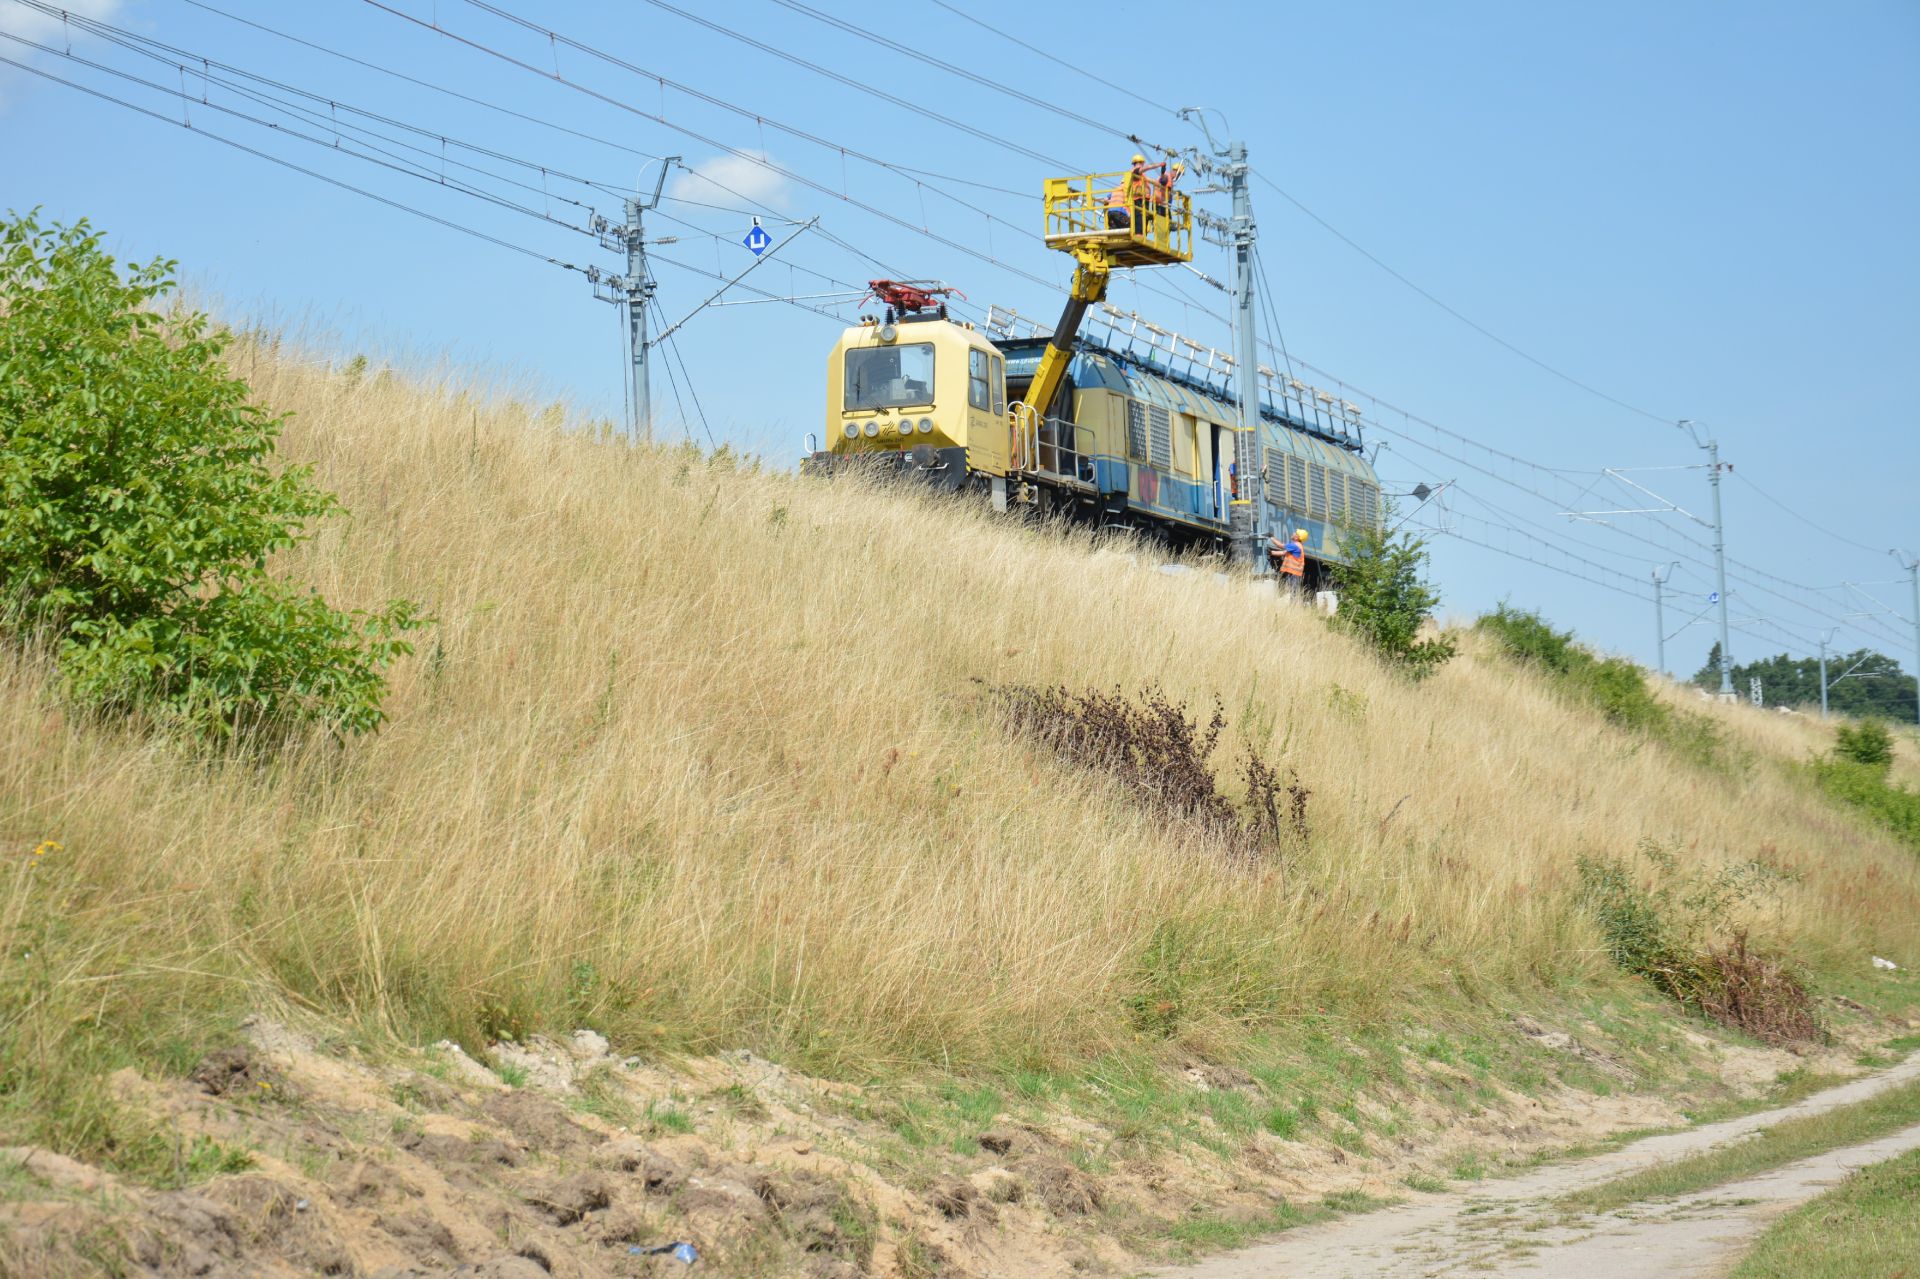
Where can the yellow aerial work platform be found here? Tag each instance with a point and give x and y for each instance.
(1149, 226)
(1150, 229)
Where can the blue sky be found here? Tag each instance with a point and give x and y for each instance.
(1700, 210)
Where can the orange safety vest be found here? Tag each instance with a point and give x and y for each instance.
(1291, 565)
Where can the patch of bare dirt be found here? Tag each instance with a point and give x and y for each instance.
(435, 1167)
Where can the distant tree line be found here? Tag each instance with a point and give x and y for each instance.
(1873, 683)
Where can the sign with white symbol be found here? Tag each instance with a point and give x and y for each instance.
(1713, 597)
(757, 239)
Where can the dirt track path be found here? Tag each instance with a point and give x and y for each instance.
(1510, 1228)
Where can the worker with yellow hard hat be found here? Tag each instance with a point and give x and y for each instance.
(1289, 560)
(1125, 200)
(1141, 191)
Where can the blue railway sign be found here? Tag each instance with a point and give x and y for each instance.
(757, 239)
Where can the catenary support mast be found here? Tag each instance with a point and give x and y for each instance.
(1249, 510)
(635, 291)
(1247, 452)
(1911, 562)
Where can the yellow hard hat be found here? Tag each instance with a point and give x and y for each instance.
(1139, 159)
(1299, 535)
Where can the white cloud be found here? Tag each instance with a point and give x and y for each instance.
(729, 179)
(49, 29)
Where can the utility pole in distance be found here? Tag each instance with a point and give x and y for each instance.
(1825, 639)
(1912, 565)
(1660, 576)
(635, 291)
(1712, 446)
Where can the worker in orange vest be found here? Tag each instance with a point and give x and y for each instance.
(1169, 174)
(1289, 559)
(1126, 202)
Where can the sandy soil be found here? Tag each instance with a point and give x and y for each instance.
(1511, 1228)
(430, 1164)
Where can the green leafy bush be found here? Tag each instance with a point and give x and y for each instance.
(1385, 601)
(1612, 685)
(139, 509)
(1867, 742)
(1678, 932)
(1866, 787)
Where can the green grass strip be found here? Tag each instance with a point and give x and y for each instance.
(1784, 1143)
(1868, 1225)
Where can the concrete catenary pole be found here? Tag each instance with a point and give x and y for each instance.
(640, 289)
(1912, 564)
(1824, 641)
(1660, 576)
(1712, 447)
(1248, 451)
(1913, 578)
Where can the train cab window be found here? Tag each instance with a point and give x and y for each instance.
(888, 377)
(998, 385)
(977, 369)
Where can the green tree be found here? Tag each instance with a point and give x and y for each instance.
(1861, 683)
(1385, 600)
(1868, 743)
(139, 508)
(1708, 676)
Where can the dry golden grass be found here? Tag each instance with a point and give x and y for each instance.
(694, 754)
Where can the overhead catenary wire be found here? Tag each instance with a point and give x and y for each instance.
(771, 297)
(958, 12)
(894, 99)
(1501, 550)
(558, 38)
(200, 66)
(1271, 343)
(391, 203)
(686, 423)
(953, 69)
(760, 208)
(708, 140)
(1465, 319)
(395, 164)
(1806, 520)
(673, 349)
(1763, 585)
(1741, 571)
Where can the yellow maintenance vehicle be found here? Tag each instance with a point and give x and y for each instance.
(1131, 426)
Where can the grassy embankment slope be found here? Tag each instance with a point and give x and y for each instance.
(695, 756)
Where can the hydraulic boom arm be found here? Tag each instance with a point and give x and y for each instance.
(1089, 286)
(1107, 221)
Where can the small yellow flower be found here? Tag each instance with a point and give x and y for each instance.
(46, 846)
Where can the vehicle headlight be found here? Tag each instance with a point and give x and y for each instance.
(873, 428)
(926, 426)
(853, 430)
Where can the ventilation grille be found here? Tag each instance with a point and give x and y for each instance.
(1161, 426)
(1136, 430)
(1276, 474)
(1366, 503)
